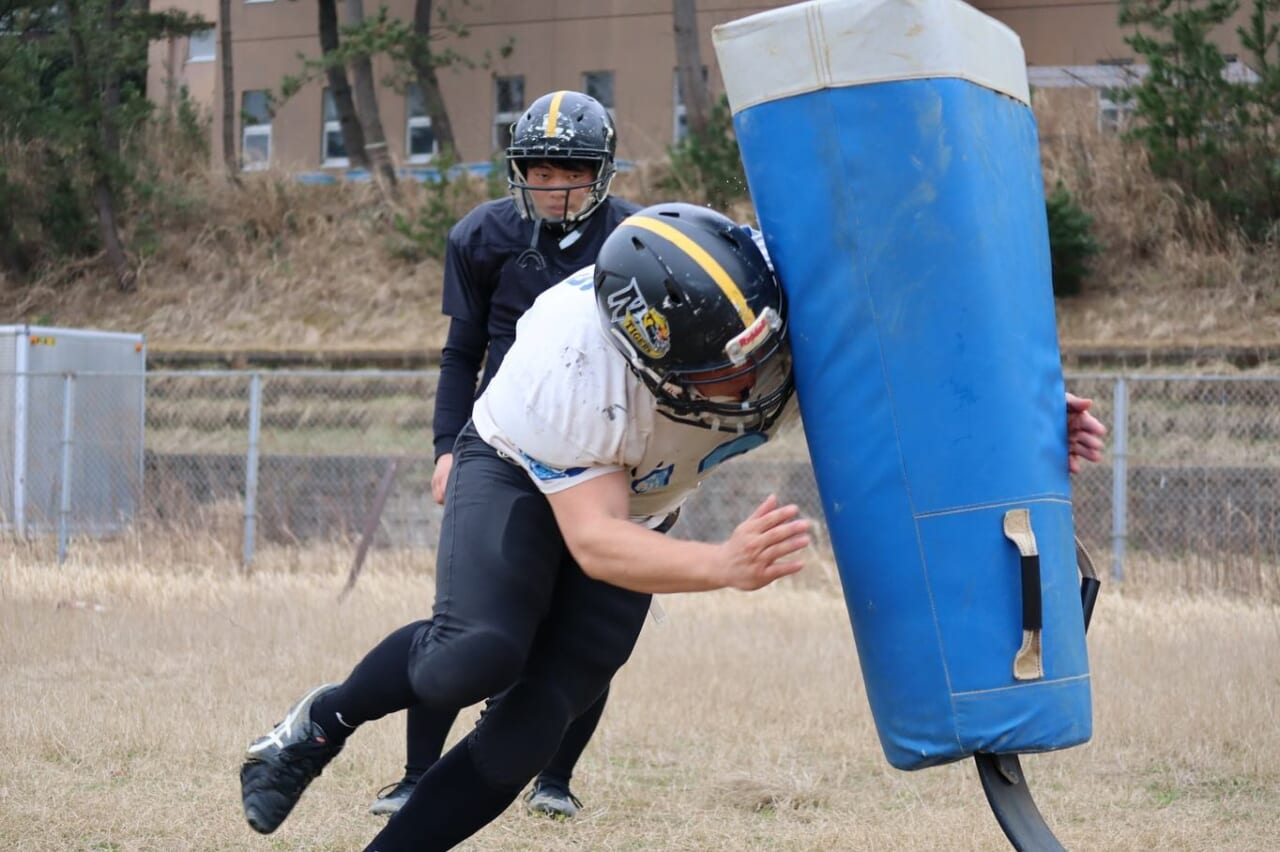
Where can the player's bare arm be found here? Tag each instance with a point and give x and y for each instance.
(592, 516)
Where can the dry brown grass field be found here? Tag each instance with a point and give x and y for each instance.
(131, 688)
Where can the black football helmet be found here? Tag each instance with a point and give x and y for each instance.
(688, 298)
(567, 126)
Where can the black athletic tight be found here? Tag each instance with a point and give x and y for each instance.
(427, 730)
(513, 612)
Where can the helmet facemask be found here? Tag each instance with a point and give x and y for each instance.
(596, 189)
(747, 391)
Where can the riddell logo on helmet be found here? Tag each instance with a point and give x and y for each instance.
(752, 336)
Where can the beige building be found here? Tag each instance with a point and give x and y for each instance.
(621, 51)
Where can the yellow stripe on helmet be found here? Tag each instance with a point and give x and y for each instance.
(700, 257)
(553, 113)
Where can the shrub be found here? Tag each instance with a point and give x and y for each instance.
(424, 232)
(1071, 242)
(706, 167)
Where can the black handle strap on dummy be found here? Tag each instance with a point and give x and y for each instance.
(1028, 663)
(1090, 585)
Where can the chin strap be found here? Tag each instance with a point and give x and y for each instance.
(531, 255)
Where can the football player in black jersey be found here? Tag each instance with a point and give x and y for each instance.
(500, 257)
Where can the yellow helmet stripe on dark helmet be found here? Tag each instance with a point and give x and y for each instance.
(700, 256)
(553, 113)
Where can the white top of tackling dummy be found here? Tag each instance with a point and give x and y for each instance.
(833, 43)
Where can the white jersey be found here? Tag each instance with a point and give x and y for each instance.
(567, 408)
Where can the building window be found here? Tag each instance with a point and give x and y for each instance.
(680, 117)
(201, 46)
(599, 85)
(508, 103)
(1116, 107)
(333, 146)
(420, 140)
(255, 135)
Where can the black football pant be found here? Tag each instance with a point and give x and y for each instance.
(426, 730)
(514, 614)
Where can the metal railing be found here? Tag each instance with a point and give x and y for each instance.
(264, 458)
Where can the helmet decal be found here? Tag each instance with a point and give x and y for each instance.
(699, 256)
(553, 113)
(649, 332)
(644, 324)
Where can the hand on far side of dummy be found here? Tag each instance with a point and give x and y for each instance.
(1084, 433)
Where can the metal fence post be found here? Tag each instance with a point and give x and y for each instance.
(251, 467)
(21, 399)
(1119, 478)
(64, 490)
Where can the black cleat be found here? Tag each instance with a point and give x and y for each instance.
(552, 800)
(392, 797)
(280, 765)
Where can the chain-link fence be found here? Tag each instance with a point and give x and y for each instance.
(256, 459)
(1192, 474)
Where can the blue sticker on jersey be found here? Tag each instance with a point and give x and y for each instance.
(583, 279)
(728, 450)
(654, 481)
(546, 472)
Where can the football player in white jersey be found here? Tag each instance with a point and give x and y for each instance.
(499, 258)
(626, 386)
(623, 390)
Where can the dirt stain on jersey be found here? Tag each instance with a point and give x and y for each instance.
(573, 358)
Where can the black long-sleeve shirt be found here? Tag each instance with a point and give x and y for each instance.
(487, 289)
